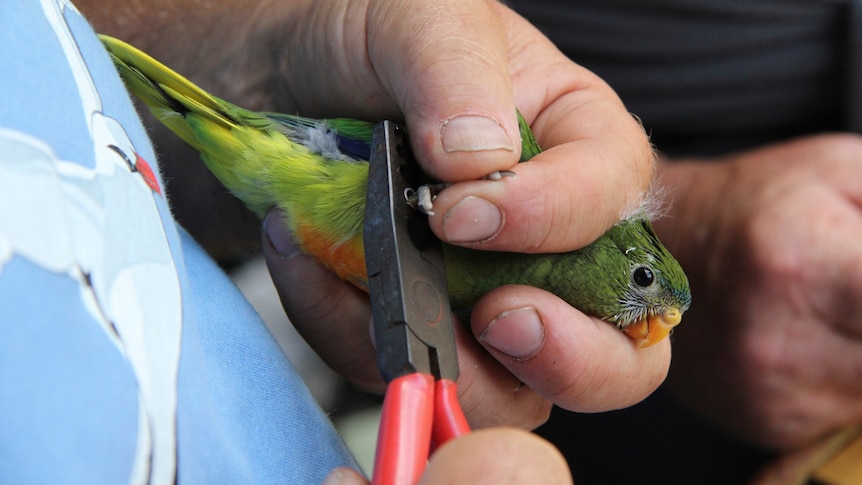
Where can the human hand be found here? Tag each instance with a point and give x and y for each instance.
(592, 144)
(490, 456)
(455, 73)
(772, 347)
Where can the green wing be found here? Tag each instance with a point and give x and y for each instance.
(529, 147)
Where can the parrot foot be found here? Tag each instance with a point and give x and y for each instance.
(422, 199)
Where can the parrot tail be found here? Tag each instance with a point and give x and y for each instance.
(314, 170)
(240, 147)
(169, 95)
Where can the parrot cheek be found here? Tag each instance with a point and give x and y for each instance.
(654, 328)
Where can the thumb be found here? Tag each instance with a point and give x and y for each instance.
(450, 77)
(497, 456)
(490, 456)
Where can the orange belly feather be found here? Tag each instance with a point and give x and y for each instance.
(346, 259)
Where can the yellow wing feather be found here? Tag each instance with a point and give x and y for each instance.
(252, 156)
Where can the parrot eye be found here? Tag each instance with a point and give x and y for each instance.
(643, 276)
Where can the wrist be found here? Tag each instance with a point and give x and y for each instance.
(692, 225)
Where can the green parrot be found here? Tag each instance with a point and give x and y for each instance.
(316, 171)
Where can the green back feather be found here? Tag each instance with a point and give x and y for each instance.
(529, 147)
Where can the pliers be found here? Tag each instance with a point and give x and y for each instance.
(413, 325)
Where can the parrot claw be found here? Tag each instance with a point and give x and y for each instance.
(499, 174)
(422, 199)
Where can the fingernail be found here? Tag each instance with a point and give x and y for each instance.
(278, 235)
(472, 219)
(469, 133)
(517, 333)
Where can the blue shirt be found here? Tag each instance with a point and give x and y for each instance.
(126, 354)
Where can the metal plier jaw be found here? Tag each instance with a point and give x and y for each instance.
(413, 325)
(413, 328)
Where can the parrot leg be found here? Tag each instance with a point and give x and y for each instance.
(422, 199)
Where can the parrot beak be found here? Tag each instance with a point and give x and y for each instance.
(654, 328)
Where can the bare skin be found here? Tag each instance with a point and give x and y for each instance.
(497, 456)
(772, 350)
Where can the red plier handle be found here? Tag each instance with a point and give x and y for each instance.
(413, 325)
(419, 414)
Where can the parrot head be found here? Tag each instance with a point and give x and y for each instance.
(655, 292)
